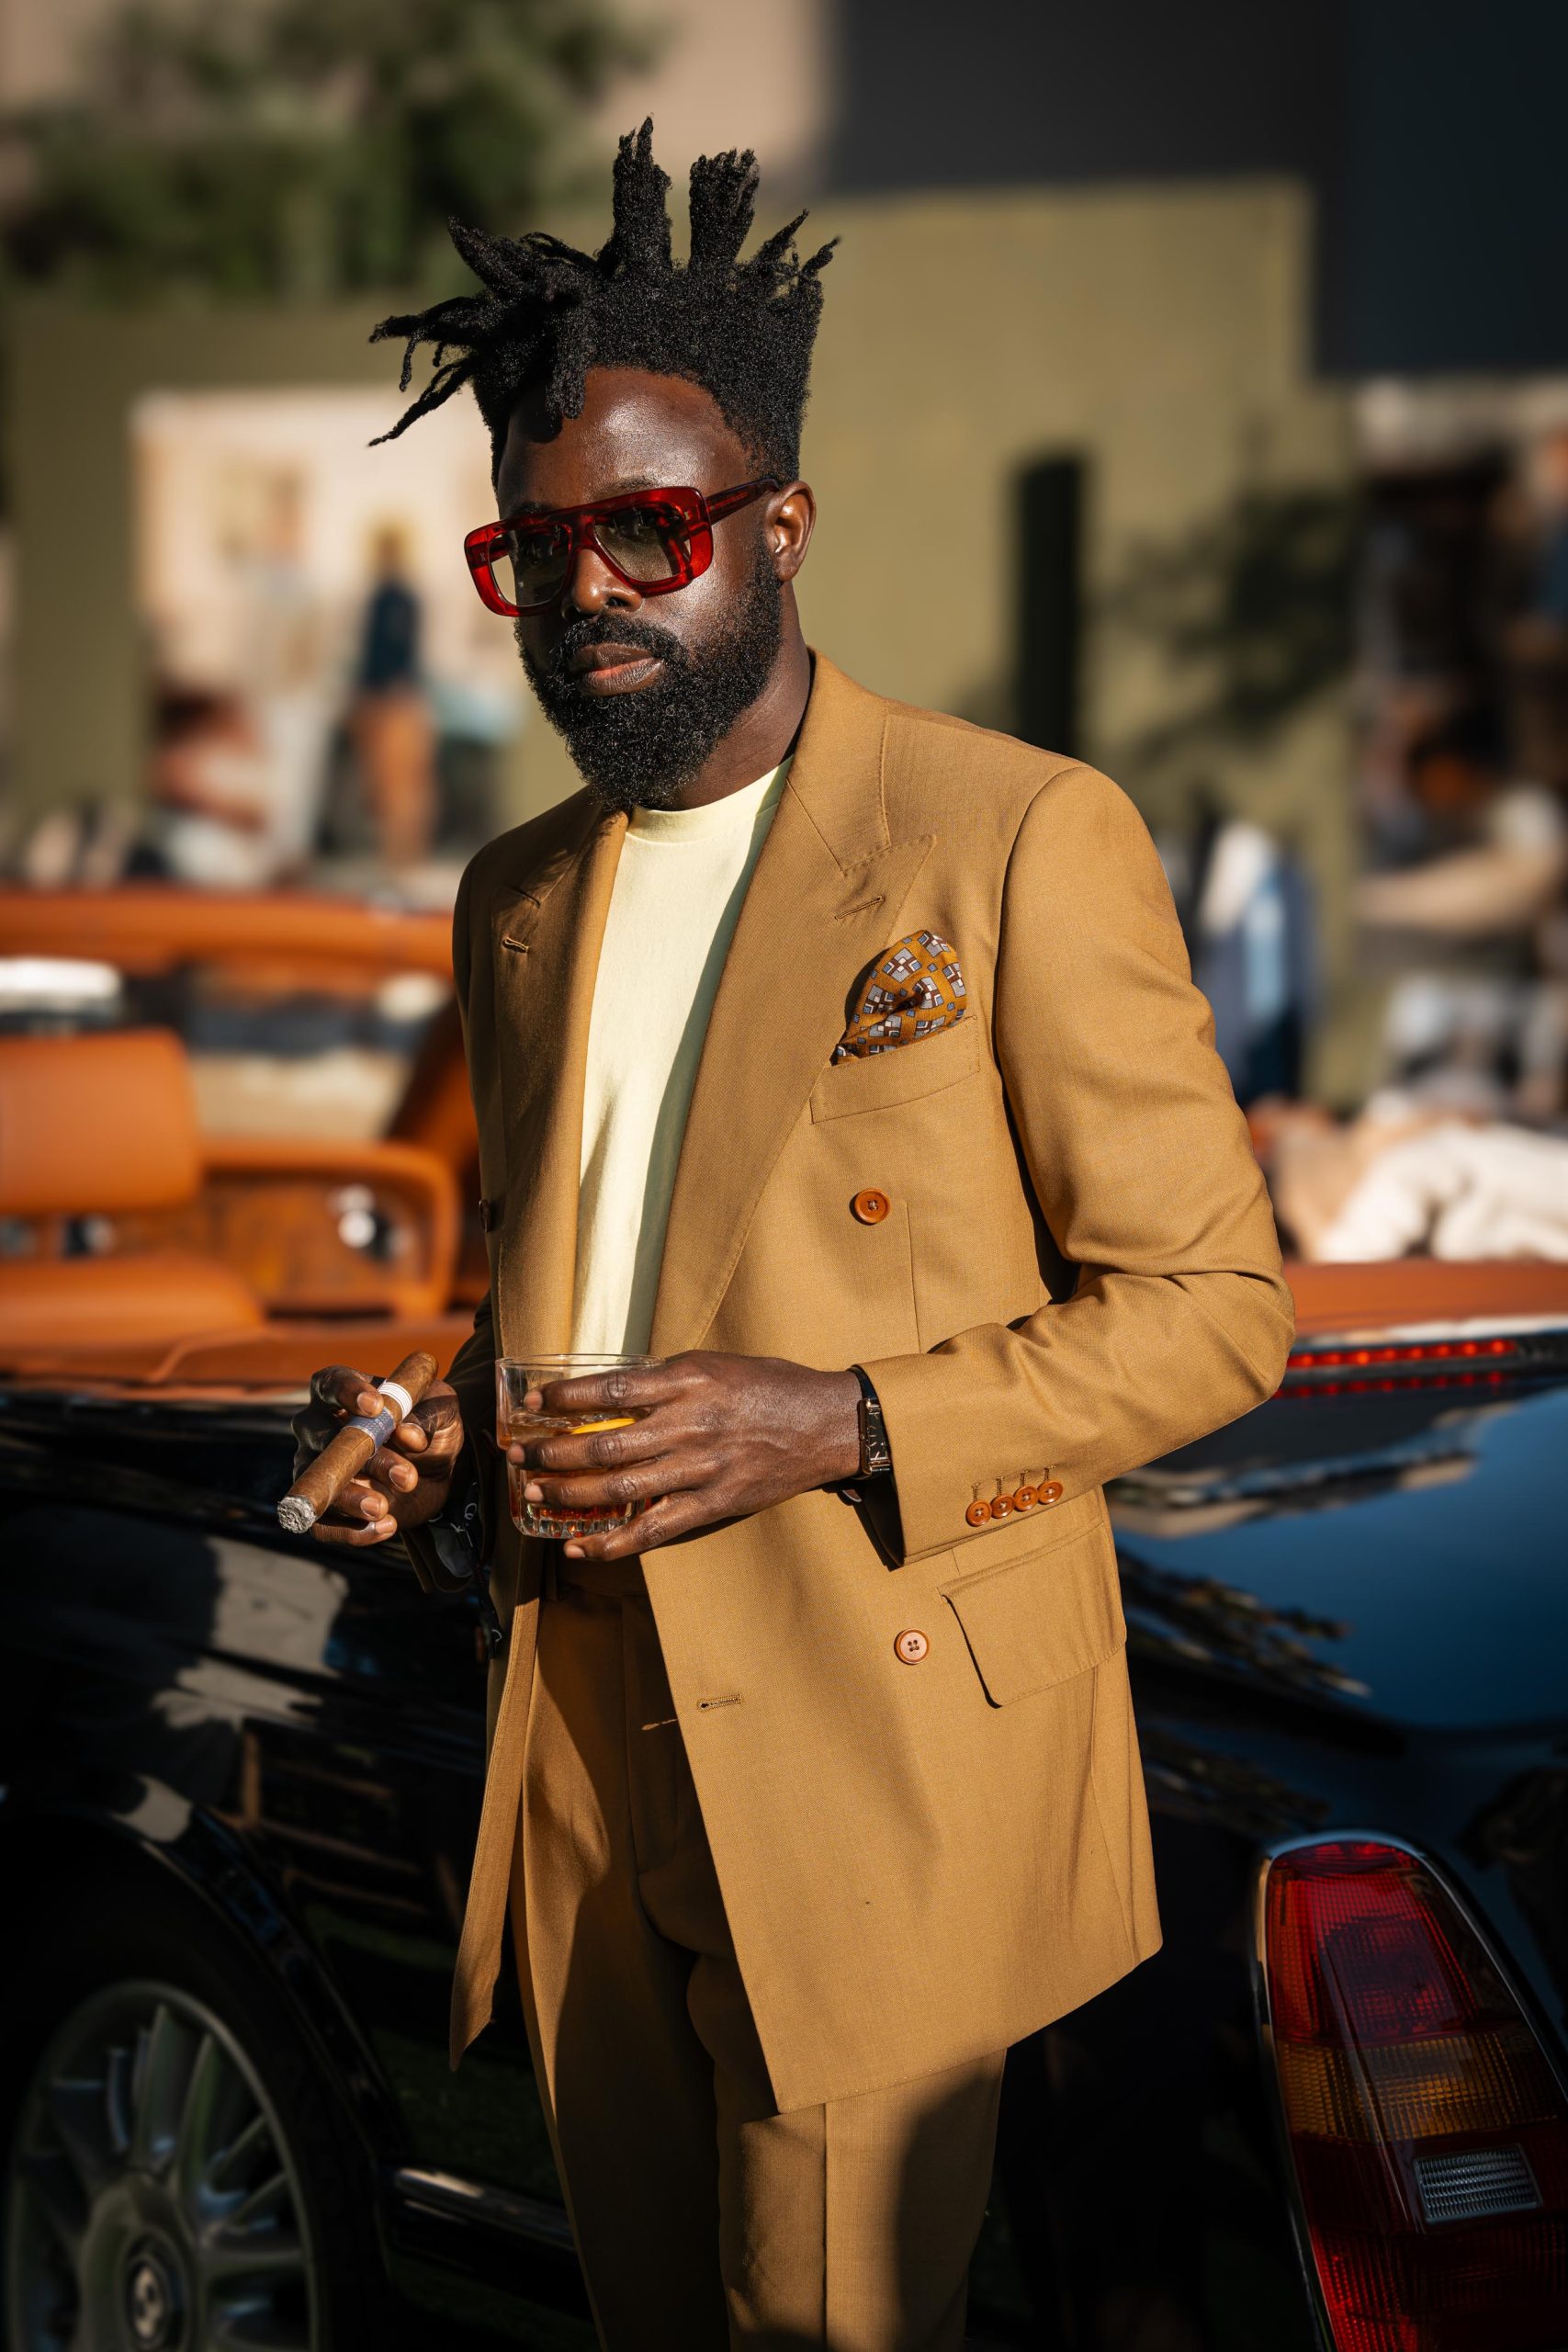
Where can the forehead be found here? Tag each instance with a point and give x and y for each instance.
(637, 431)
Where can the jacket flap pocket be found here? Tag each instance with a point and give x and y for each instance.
(901, 1074)
(1044, 1618)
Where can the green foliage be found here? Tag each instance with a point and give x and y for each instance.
(1251, 610)
(279, 148)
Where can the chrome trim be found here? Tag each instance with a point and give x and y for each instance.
(1274, 2096)
(450, 2198)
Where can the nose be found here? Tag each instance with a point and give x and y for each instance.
(592, 587)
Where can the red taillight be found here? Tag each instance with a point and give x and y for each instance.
(1405, 1351)
(1429, 2134)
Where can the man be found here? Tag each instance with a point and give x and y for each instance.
(391, 715)
(843, 1058)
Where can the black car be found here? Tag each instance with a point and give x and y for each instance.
(241, 1785)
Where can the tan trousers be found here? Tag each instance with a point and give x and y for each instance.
(703, 2218)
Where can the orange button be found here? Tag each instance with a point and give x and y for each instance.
(1001, 1507)
(1051, 1492)
(910, 1646)
(978, 1515)
(871, 1206)
(1025, 1499)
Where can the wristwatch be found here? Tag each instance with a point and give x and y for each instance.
(876, 1453)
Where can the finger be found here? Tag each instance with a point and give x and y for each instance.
(596, 1449)
(360, 1537)
(316, 1423)
(361, 1500)
(343, 1390)
(661, 1523)
(606, 1392)
(392, 1472)
(638, 1482)
(385, 1473)
(361, 1515)
(375, 1493)
(434, 1425)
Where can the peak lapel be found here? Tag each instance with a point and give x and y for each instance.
(545, 940)
(826, 894)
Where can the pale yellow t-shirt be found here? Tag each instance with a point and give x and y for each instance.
(679, 886)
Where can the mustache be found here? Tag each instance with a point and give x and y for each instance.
(606, 629)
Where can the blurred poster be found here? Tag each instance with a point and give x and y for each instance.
(330, 699)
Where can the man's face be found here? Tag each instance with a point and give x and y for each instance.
(643, 689)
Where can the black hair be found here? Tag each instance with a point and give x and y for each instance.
(743, 330)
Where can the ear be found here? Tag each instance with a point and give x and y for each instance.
(788, 521)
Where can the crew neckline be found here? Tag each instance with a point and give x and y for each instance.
(737, 811)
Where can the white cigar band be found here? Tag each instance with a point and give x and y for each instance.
(395, 1389)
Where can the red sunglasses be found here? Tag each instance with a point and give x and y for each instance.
(653, 540)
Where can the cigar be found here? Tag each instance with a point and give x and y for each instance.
(316, 1489)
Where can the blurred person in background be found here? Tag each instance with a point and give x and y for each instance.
(281, 658)
(1404, 1179)
(393, 735)
(808, 1006)
(1474, 1022)
(215, 820)
(1247, 913)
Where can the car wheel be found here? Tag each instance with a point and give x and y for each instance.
(175, 2179)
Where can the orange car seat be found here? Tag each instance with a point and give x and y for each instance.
(103, 1125)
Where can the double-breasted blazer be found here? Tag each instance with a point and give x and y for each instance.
(926, 1850)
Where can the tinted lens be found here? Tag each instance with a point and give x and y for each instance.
(644, 542)
(531, 565)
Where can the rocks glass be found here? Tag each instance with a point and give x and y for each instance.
(516, 1377)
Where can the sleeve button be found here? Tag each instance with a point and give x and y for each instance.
(1051, 1492)
(978, 1515)
(1025, 1499)
(1000, 1507)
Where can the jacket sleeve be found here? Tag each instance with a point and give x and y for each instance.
(472, 1369)
(1143, 1173)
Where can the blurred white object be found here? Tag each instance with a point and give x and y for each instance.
(1458, 1192)
(411, 996)
(56, 984)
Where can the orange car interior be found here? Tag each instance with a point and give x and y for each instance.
(144, 1234)
(104, 1127)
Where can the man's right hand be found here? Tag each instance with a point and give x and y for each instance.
(403, 1485)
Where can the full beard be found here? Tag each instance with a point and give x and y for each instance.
(639, 749)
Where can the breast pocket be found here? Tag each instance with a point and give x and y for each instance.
(1041, 1617)
(902, 1074)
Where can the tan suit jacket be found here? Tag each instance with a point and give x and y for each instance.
(920, 1862)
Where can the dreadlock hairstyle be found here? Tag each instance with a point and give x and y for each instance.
(743, 330)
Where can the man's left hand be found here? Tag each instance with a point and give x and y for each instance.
(721, 1437)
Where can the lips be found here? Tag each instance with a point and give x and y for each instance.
(610, 668)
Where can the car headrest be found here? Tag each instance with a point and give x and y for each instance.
(103, 1123)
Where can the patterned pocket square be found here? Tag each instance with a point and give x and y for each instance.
(916, 988)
